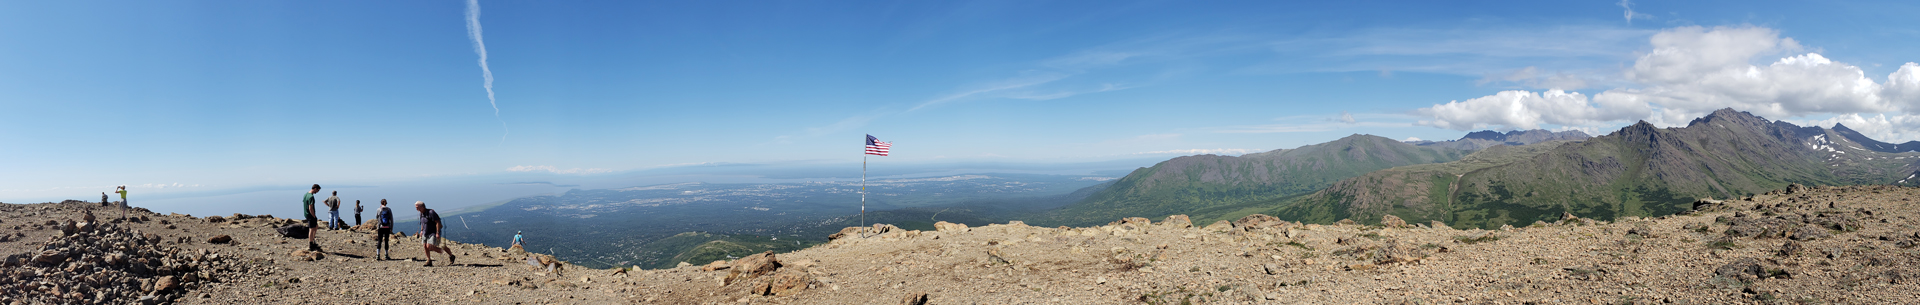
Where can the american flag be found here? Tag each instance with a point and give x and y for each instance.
(875, 147)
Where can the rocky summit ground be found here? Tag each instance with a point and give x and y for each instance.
(1800, 245)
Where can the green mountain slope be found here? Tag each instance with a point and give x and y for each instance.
(1639, 170)
(1209, 187)
(1417, 193)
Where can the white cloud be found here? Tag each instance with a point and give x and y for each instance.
(1896, 129)
(1690, 72)
(1412, 139)
(1526, 110)
(556, 170)
(1346, 117)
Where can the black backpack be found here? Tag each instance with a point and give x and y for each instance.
(294, 231)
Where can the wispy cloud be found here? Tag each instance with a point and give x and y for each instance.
(1320, 123)
(1631, 15)
(486, 74)
(556, 170)
(1028, 79)
(1202, 151)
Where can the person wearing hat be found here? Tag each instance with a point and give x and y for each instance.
(430, 232)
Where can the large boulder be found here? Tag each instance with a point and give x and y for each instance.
(1178, 221)
(786, 282)
(950, 227)
(1259, 221)
(752, 266)
(1220, 226)
(369, 226)
(1391, 221)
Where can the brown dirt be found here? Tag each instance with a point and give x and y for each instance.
(1855, 246)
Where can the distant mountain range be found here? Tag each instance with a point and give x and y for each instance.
(1639, 170)
(1211, 186)
(1487, 138)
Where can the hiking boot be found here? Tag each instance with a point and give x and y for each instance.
(449, 258)
(314, 247)
(429, 264)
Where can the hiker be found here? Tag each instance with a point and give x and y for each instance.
(430, 232)
(385, 217)
(516, 242)
(356, 213)
(313, 221)
(123, 202)
(333, 209)
(103, 199)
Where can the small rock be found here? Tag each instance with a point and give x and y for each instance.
(223, 238)
(166, 283)
(216, 219)
(916, 298)
(1789, 248)
(1744, 269)
(1220, 226)
(715, 265)
(1259, 221)
(1178, 221)
(305, 255)
(1810, 233)
(1391, 221)
(949, 227)
(1439, 225)
(1271, 269)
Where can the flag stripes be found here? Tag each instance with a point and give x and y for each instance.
(877, 148)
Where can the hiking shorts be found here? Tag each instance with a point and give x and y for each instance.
(313, 222)
(433, 240)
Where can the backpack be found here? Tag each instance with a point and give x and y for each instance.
(294, 231)
(386, 218)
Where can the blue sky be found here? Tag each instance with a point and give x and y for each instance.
(184, 97)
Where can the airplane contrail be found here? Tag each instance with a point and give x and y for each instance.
(480, 47)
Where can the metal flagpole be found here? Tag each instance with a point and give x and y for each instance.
(863, 195)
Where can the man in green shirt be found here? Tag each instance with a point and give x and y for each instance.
(313, 221)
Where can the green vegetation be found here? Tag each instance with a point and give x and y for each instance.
(1210, 187)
